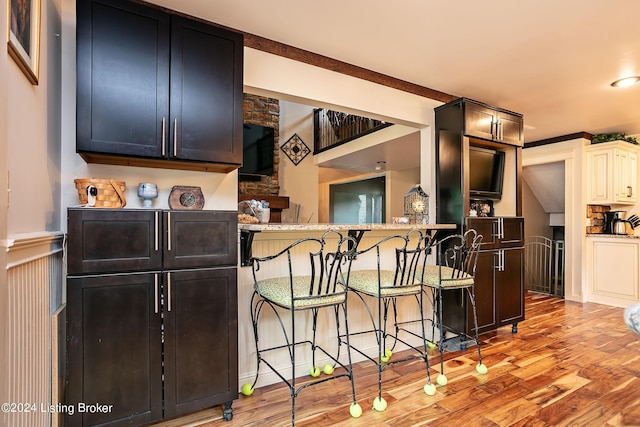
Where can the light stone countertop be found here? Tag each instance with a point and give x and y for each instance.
(614, 236)
(338, 227)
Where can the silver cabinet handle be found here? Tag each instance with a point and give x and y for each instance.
(155, 294)
(168, 291)
(157, 243)
(168, 231)
(175, 137)
(163, 136)
(629, 191)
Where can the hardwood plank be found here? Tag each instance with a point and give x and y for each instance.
(570, 364)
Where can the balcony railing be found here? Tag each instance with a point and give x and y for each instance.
(332, 128)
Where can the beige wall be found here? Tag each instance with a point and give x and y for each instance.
(536, 219)
(33, 134)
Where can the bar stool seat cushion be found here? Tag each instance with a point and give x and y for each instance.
(366, 281)
(278, 291)
(435, 277)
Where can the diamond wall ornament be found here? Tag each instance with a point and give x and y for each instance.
(295, 149)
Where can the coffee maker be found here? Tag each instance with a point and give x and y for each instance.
(614, 222)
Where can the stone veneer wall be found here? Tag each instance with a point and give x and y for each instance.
(259, 110)
(596, 214)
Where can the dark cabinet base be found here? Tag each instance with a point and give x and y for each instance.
(152, 314)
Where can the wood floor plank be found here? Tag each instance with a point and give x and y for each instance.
(570, 364)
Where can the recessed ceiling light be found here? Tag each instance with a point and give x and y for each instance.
(380, 165)
(627, 81)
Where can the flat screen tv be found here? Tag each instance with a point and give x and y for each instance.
(486, 173)
(257, 152)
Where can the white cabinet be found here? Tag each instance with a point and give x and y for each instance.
(613, 272)
(612, 173)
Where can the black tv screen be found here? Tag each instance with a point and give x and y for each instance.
(486, 173)
(257, 157)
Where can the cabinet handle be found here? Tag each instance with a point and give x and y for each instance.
(501, 226)
(175, 137)
(168, 291)
(163, 136)
(501, 131)
(155, 293)
(157, 244)
(629, 191)
(169, 231)
(499, 264)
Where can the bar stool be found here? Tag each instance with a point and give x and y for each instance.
(379, 290)
(316, 284)
(455, 269)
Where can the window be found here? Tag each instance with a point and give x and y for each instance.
(358, 202)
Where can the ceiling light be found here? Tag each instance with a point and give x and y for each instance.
(627, 81)
(380, 166)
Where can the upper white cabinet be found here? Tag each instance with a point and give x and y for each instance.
(612, 173)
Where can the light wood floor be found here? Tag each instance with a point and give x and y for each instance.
(570, 364)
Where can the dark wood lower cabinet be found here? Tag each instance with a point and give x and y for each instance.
(114, 353)
(201, 326)
(150, 345)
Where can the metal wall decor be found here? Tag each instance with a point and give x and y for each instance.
(295, 149)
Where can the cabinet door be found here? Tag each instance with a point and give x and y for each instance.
(200, 239)
(512, 232)
(509, 283)
(487, 227)
(479, 121)
(599, 177)
(122, 77)
(510, 128)
(113, 240)
(114, 349)
(626, 165)
(206, 92)
(201, 328)
(484, 293)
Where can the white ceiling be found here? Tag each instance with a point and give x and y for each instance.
(551, 60)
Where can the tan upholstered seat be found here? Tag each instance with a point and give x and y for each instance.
(278, 291)
(446, 277)
(366, 281)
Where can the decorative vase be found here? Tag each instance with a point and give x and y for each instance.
(147, 192)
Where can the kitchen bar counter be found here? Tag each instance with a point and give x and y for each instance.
(356, 231)
(342, 227)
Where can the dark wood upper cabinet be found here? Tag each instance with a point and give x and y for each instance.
(156, 89)
(491, 123)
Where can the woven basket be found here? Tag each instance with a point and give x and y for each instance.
(110, 192)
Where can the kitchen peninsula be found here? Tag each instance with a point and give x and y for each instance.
(269, 239)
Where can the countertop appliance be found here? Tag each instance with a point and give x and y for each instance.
(614, 222)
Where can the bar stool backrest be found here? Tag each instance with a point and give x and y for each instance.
(410, 257)
(460, 253)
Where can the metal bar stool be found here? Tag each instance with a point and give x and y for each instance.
(321, 286)
(455, 270)
(380, 289)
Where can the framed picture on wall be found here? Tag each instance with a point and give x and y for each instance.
(24, 36)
